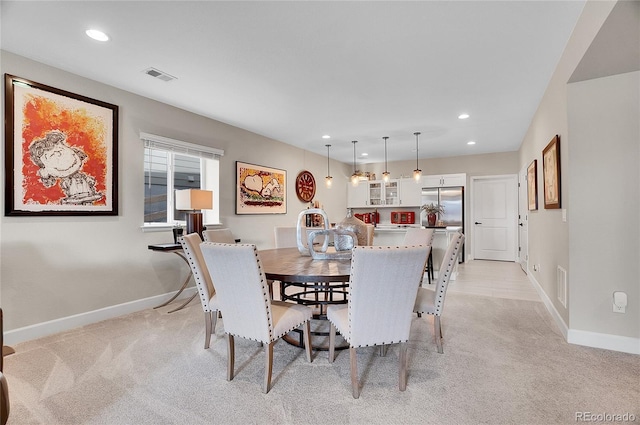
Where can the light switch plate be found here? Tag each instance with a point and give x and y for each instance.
(564, 215)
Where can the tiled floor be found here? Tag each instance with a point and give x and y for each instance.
(498, 279)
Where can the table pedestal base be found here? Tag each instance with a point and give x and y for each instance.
(319, 337)
(317, 295)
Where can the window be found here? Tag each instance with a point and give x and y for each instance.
(170, 165)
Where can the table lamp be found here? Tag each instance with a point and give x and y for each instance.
(192, 201)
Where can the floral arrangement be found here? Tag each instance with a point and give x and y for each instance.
(433, 208)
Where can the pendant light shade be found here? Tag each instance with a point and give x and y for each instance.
(328, 180)
(354, 176)
(417, 173)
(386, 175)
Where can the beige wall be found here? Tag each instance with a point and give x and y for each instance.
(473, 165)
(603, 122)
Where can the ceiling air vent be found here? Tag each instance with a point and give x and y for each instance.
(159, 74)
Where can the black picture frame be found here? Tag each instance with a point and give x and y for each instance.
(61, 152)
(551, 174)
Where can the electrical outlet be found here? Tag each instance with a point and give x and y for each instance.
(619, 302)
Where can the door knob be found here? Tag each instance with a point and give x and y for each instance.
(478, 223)
(520, 224)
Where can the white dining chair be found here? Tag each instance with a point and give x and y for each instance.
(204, 284)
(430, 301)
(248, 311)
(382, 292)
(286, 236)
(218, 235)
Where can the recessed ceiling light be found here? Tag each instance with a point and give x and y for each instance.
(364, 154)
(97, 35)
(463, 116)
(471, 142)
(326, 136)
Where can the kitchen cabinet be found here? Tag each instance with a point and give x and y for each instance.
(378, 193)
(358, 196)
(444, 180)
(383, 193)
(410, 193)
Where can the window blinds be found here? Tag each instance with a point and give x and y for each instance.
(153, 141)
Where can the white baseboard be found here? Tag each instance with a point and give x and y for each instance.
(623, 344)
(562, 326)
(40, 330)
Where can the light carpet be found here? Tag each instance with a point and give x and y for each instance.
(504, 362)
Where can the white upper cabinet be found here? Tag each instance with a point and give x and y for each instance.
(358, 196)
(378, 193)
(384, 194)
(444, 180)
(392, 192)
(410, 193)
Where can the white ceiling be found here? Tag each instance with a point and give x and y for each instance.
(293, 71)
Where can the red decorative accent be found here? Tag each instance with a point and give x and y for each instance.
(403, 217)
(431, 218)
(305, 186)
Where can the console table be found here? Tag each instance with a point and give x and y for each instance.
(175, 248)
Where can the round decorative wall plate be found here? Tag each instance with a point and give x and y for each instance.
(305, 186)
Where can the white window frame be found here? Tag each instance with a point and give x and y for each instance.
(209, 175)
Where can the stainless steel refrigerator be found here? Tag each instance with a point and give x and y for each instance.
(452, 199)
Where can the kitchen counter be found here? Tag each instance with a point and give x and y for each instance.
(393, 234)
(394, 227)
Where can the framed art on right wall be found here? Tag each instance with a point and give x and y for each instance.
(532, 185)
(551, 173)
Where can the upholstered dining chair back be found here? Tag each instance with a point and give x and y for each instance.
(370, 233)
(218, 236)
(382, 288)
(418, 236)
(286, 236)
(242, 290)
(449, 261)
(432, 302)
(247, 308)
(204, 284)
(382, 293)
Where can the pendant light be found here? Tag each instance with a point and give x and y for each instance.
(354, 176)
(386, 175)
(328, 180)
(417, 173)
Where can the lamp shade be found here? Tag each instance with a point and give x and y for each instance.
(194, 199)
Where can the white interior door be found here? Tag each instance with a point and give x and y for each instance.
(494, 211)
(523, 221)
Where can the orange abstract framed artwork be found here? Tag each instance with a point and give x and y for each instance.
(260, 190)
(532, 185)
(61, 152)
(551, 173)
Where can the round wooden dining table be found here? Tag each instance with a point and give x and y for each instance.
(315, 283)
